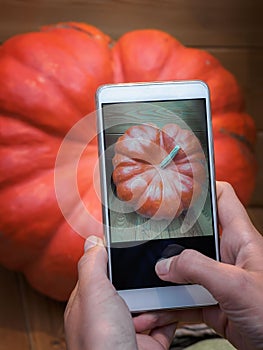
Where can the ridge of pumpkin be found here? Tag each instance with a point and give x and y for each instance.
(47, 277)
(238, 137)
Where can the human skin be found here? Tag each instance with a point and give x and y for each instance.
(97, 318)
(236, 282)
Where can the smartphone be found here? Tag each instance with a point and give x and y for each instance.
(157, 187)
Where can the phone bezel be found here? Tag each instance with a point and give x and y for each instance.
(183, 296)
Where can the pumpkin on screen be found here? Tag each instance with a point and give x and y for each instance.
(159, 172)
(47, 83)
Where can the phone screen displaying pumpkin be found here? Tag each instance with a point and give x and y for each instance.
(158, 181)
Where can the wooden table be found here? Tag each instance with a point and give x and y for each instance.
(230, 30)
(28, 320)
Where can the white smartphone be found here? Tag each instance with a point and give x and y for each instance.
(157, 187)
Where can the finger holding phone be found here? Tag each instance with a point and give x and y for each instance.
(97, 317)
(236, 282)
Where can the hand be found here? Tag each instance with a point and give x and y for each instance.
(97, 318)
(236, 282)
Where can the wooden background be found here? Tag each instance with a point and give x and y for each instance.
(232, 30)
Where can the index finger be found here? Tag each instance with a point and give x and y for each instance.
(238, 230)
(230, 209)
(155, 319)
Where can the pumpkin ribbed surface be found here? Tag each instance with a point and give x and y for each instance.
(48, 81)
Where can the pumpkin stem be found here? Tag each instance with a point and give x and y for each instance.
(167, 160)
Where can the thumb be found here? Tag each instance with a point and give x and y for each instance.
(92, 266)
(192, 267)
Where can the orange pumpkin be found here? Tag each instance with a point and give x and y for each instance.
(47, 83)
(152, 55)
(160, 173)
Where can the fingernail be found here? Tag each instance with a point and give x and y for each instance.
(163, 266)
(91, 242)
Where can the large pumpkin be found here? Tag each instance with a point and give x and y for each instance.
(160, 173)
(47, 83)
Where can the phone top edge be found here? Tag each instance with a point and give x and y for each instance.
(113, 93)
(147, 83)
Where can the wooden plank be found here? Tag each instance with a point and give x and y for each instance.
(246, 65)
(257, 199)
(13, 326)
(130, 226)
(256, 216)
(44, 319)
(198, 23)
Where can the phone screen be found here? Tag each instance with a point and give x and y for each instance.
(158, 178)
